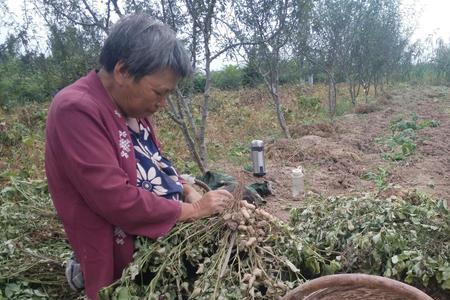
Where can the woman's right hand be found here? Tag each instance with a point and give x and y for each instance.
(211, 203)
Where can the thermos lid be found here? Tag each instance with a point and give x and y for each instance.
(257, 143)
(297, 172)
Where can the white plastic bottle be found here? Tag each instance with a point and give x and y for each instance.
(298, 184)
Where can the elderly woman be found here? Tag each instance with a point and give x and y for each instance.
(107, 176)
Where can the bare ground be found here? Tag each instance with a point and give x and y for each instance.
(336, 155)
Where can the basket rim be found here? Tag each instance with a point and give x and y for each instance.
(359, 280)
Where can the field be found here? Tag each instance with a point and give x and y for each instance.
(395, 144)
(359, 152)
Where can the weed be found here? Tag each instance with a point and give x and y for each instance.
(248, 167)
(400, 124)
(239, 153)
(380, 177)
(343, 106)
(401, 143)
(305, 108)
(309, 103)
(429, 123)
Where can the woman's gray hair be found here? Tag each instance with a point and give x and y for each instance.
(145, 46)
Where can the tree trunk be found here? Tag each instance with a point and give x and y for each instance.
(280, 116)
(366, 87)
(332, 95)
(179, 114)
(351, 88)
(366, 93)
(271, 81)
(205, 109)
(191, 146)
(311, 79)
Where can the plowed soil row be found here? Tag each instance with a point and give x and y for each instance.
(336, 155)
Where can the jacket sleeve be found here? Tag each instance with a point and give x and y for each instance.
(88, 155)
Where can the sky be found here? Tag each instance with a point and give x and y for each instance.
(432, 17)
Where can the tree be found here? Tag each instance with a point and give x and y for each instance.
(267, 24)
(442, 61)
(330, 40)
(362, 40)
(380, 43)
(199, 27)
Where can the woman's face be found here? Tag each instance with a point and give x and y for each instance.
(146, 96)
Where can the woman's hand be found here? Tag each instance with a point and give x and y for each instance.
(209, 204)
(190, 194)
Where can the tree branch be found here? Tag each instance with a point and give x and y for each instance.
(94, 16)
(116, 8)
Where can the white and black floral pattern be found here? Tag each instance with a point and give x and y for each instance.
(155, 173)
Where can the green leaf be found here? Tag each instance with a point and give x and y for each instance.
(313, 265)
(446, 285)
(134, 271)
(291, 266)
(123, 293)
(388, 272)
(332, 268)
(394, 259)
(376, 238)
(425, 280)
(409, 278)
(350, 225)
(445, 271)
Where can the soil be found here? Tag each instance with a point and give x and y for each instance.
(336, 155)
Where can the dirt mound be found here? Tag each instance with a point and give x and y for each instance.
(330, 168)
(312, 148)
(319, 129)
(365, 108)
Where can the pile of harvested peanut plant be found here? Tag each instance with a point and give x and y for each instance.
(246, 253)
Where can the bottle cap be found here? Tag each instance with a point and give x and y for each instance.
(298, 171)
(257, 143)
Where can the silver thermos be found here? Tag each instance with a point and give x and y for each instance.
(257, 148)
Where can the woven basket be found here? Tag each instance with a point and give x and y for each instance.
(355, 287)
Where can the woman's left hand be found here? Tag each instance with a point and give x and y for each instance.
(190, 194)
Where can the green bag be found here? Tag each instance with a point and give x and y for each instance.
(253, 193)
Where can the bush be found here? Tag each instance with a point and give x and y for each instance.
(309, 103)
(251, 76)
(20, 84)
(289, 72)
(198, 84)
(227, 79)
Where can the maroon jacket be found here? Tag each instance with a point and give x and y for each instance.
(91, 172)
